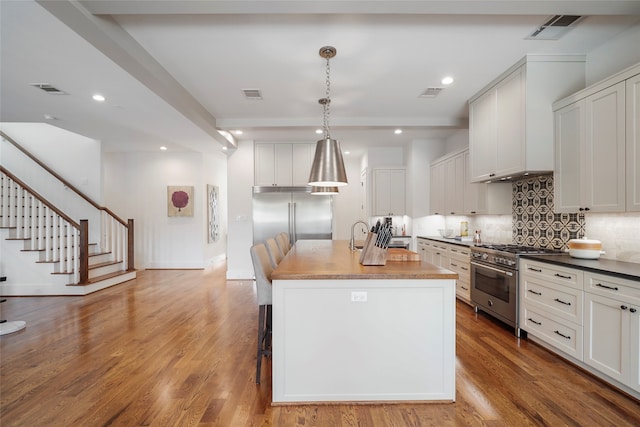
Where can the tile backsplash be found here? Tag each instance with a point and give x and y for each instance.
(534, 222)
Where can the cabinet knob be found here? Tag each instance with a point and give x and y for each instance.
(580, 209)
(633, 310)
(623, 307)
(587, 209)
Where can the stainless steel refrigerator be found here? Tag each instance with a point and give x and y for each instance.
(293, 210)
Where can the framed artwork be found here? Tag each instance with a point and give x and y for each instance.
(180, 200)
(213, 216)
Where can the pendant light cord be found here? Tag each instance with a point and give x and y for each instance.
(327, 102)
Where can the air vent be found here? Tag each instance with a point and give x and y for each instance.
(48, 88)
(253, 94)
(430, 92)
(555, 27)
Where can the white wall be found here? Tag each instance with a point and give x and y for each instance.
(613, 56)
(72, 156)
(135, 186)
(240, 183)
(346, 205)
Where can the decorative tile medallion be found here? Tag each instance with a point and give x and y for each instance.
(535, 223)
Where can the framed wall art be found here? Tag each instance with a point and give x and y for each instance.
(213, 217)
(180, 200)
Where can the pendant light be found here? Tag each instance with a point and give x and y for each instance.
(324, 191)
(327, 169)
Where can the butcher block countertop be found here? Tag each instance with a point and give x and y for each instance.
(333, 260)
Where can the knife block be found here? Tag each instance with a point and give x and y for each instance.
(371, 254)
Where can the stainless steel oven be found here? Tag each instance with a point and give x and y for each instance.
(494, 280)
(494, 290)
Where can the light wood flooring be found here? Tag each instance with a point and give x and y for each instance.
(177, 348)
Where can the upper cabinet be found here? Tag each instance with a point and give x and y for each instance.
(388, 192)
(283, 164)
(510, 122)
(452, 192)
(633, 142)
(597, 148)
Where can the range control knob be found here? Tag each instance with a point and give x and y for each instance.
(485, 256)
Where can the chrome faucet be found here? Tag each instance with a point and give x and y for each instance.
(352, 242)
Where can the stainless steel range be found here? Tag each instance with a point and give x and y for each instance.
(494, 280)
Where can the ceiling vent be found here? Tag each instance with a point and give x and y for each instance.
(48, 88)
(430, 92)
(555, 27)
(253, 94)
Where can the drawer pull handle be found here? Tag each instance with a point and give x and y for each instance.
(455, 265)
(537, 270)
(464, 268)
(600, 285)
(462, 287)
(535, 293)
(562, 335)
(562, 277)
(533, 321)
(562, 302)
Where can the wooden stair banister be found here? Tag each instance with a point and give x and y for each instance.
(128, 225)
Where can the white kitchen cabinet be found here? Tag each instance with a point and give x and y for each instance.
(460, 262)
(590, 153)
(282, 164)
(612, 327)
(551, 305)
(510, 124)
(480, 198)
(447, 185)
(633, 142)
(437, 189)
(388, 192)
(424, 249)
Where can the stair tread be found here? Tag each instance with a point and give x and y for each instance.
(103, 277)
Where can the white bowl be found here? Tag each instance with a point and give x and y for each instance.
(448, 233)
(585, 248)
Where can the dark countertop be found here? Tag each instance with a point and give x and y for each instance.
(445, 240)
(622, 269)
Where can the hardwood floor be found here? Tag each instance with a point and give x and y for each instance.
(177, 348)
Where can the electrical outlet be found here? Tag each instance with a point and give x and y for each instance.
(358, 296)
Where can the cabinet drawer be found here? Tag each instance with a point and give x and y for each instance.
(557, 300)
(462, 268)
(555, 273)
(460, 252)
(613, 287)
(563, 335)
(463, 290)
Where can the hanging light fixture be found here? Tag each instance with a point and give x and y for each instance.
(324, 191)
(327, 169)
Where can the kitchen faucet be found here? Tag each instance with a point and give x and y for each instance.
(352, 242)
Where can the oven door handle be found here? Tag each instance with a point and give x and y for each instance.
(506, 273)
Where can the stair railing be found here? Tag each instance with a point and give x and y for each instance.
(116, 235)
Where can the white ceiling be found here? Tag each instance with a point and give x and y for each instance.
(173, 71)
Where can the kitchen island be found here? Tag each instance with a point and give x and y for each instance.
(347, 332)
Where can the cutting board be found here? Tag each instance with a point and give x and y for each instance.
(399, 254)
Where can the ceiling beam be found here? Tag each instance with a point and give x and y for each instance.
(106, 35)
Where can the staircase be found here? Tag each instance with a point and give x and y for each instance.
(49, 253)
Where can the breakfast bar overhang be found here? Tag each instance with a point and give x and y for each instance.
(344, 332)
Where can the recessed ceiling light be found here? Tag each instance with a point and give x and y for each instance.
(224, 148)
(447, 80)
(397, 131)
(347, 152)
(237, 132)
(318, 131)
(50, 117)
(163, 148)
(98, 97)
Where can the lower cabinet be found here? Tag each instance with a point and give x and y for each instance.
(453, 257)
(551, 305)
(612, 332)
(593, 318)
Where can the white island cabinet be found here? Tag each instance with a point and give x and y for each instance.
(343, 332)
